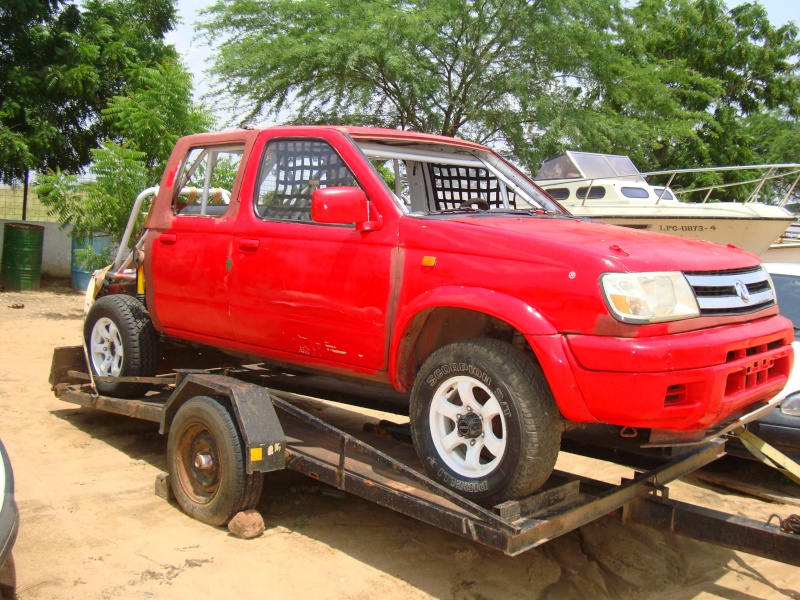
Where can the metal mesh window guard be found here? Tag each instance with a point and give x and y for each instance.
(453, 185)
(291, 171)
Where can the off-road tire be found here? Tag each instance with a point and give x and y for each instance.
(139, 344)
(211, 497)
(530, 424)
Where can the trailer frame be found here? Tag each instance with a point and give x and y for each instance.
(279, 434)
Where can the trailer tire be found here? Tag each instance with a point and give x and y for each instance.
(206, 463)
(484, 421)
(121, 342)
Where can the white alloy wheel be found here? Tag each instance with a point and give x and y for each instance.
(468, 427)
(106, 348)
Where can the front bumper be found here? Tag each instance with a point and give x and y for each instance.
(681, 382)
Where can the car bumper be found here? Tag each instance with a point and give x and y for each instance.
(9, 515)
(682, 382)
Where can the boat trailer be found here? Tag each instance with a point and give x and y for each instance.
(278, 432)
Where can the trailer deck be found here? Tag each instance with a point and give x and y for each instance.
(338, 452)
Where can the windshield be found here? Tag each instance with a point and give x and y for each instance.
(787, 288)
(436, 178)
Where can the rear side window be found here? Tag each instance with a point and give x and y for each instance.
(289, 173)
(206, 180)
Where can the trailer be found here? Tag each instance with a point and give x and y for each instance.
(226, 430)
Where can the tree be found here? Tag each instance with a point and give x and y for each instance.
(491, 70)
(732, 68)
(61, 63)
(158, 109)
(143, 126)
(668, 82)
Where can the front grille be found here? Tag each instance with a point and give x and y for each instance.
(734, 292)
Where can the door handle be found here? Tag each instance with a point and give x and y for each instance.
(248, 245)
(167, 238)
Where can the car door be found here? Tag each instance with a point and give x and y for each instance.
(307, 291)
(191, 248)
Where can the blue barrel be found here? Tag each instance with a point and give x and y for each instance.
(22, 256)
(81, 276)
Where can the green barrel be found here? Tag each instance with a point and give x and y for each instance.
(22, 256)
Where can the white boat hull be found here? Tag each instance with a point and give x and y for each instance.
(723, 223)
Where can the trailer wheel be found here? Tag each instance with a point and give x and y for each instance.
(207, 465)
(484, 421)
(121, 342)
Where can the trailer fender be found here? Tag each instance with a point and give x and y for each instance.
(261, 431)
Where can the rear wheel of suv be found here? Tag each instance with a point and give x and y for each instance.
(484, 421)
(121, 342)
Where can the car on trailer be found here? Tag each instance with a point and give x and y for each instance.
(456, 280)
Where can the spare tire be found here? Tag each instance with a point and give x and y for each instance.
(121, 342)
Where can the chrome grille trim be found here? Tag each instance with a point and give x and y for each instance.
(719, 302)
(716, 292)
(699, 280)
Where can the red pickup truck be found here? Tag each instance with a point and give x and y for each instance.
(435, 266)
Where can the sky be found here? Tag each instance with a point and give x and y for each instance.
(198, 56)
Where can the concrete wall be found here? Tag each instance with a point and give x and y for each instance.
(57, 250)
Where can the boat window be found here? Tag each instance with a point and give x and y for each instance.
(622, 165)
(558, 193)
(667, 195)
(560, 167)
(635, 192)
(594, 166)
(597, 191)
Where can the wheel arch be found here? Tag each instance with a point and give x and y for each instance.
(450, 314)
(251, 407)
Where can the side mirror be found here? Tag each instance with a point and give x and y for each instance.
(343, 206)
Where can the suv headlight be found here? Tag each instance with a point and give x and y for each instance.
(649, 297)
(791, 405)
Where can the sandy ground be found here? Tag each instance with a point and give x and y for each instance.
(91, 526)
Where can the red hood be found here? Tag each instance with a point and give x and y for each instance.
(621, 248)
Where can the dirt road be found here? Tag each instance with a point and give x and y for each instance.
(91, 526)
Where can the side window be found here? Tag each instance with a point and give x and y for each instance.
(206, 180)
(558, 193)
(289, 173)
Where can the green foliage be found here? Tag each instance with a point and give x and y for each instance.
(100, 206)
(158, 110)
(60, 63)
(480, 69)
(672, 83)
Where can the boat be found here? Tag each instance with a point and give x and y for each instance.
(786, 249)
(609, 188)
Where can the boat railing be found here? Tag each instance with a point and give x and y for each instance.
(770, 172)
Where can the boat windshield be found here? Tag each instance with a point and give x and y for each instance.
(430, 178)
(587, 165)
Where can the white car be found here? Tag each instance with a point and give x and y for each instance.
(781, 427)
(9, 523)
